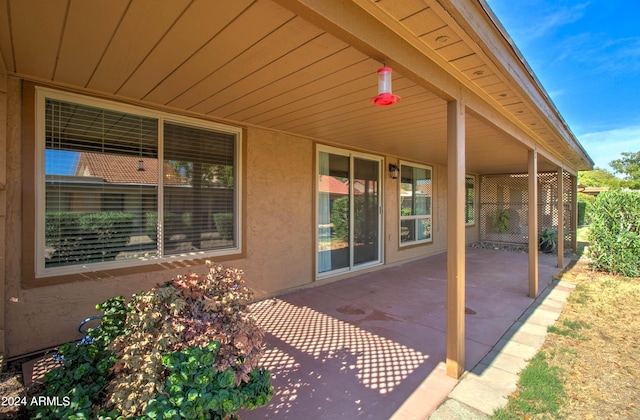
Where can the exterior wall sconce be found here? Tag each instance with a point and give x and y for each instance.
(393, 171)
(141, 165)
(385, 97)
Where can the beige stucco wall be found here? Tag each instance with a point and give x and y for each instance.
(278, 227)
(280, 251)
(279, 247)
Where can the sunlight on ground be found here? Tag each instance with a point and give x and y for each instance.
(377, 362)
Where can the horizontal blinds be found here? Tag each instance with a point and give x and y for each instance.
(199, 189)
(100, 184)
(83, 128)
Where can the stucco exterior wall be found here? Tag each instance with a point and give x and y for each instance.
(279, 219)
(278, 229)
(279, 248)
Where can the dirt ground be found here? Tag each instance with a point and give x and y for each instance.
(597, 346)
(11, 390)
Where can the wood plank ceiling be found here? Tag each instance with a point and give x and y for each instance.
(255, 62)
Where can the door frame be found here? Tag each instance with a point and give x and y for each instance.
(351, 155)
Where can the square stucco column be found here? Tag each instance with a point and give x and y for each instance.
(455, 238)
(560, 209)
(533, 223)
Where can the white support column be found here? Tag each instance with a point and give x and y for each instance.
(560, 194)
(455, 238)
(533, 223)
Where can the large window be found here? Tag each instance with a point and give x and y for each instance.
(118, 186)
(416, 190)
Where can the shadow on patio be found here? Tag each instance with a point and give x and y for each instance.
(360, 347)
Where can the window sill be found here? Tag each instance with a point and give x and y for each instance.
(166, 265)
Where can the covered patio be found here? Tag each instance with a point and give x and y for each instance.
(360, 347)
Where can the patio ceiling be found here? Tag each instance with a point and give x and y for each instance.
(257, 62)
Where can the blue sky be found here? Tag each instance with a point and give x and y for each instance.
(586, 54)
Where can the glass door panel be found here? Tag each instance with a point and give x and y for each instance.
(349, 220)
(334, 215)
(366, 224)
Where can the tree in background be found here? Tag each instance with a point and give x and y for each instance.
(629, 166)
(598, 177)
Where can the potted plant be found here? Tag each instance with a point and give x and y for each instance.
(548, 240)
(500, 220)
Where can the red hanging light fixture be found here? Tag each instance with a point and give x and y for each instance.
(385, 97)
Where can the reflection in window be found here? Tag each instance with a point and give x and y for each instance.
(470, 200)
(102, 183)
(416, 190)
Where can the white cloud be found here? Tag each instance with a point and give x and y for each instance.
(559, 16)
(605, 146)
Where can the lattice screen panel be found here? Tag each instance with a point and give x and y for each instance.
(510, 193)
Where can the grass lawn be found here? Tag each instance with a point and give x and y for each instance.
(589, 365)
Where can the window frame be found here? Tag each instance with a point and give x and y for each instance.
(401, 218)
(473, 201)
(43, 93)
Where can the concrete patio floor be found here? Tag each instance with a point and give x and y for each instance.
(360, 347)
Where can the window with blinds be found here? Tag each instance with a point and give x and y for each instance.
(121, 186)
(416, 190)
(199, 209)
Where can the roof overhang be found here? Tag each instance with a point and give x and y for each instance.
(306, 67)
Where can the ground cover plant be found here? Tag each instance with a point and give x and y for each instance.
(188, 348)
(591, 354)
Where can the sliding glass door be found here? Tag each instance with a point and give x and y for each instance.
(349, 207)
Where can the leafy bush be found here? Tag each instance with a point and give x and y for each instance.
(224, 225)
(585, 204)
(62, 234)
(366, 219)
(340, 218)
(614, 234)
(500, 220)
(78, 237)
(109, 232)
(186, 349)
(79, 382)
(151, 224)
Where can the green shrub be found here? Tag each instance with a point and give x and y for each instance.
(614, 234)
(62, 235)
(340, 219)
(151, 224)
(109, 231)
(186, 349)
(366, 219)
(224, 225)
(582, 213)
(86, 370)
(500, 220)
(585, 204)
(76, 238)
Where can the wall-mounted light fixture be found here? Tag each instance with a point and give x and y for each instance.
(394, 171)
(385, 97)
(141, 165)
